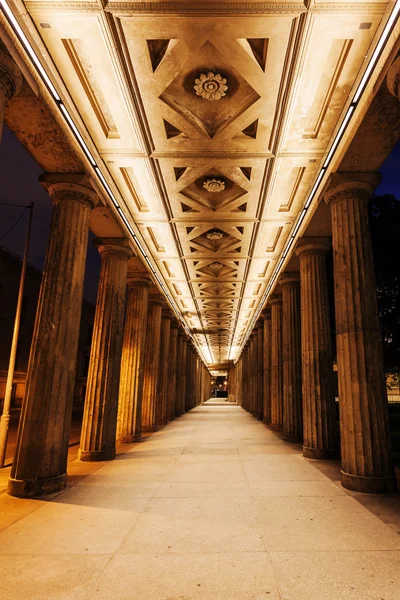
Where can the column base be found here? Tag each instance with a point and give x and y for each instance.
(96, 455)
(130, 439)
(259, 417)
(275, 427)
(149, 429)
(29, 488)
(320, 453)
(266, 422)
(369, 485)
(295, 438)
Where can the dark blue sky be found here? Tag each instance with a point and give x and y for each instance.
(19, 175)
(19, 185)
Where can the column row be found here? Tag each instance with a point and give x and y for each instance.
(292, 378)
(143, 371)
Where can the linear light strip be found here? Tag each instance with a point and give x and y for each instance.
(338, 137)
(360, 89)
(9, 15)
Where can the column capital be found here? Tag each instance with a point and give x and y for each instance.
(166, 313)
(114, 247)
(156, 300)
(266, 314)
(275, 299)
(69, 186)
(289, 278)
(138, 279)
(174, 323)
(393, 79)
(343, 186)
(313, 245)
(11, 79)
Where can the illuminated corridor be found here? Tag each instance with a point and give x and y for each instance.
(213, 506)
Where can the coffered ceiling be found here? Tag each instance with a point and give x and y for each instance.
(212, 119)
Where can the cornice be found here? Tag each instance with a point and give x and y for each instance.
(206, 8)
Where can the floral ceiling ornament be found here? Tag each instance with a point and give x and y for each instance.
(215, 235)
(216, 266)
(214, 185)
(211, 86)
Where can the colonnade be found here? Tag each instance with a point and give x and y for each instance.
(144, 370)
(295, 396)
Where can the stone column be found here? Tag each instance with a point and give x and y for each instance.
(11, 82)
(101, 402)
(179, 372)
(319, 439)
(291, 356)
(164, 364)
(267, 367)
(276, 363)
(151, 362)
(252, 373)
(260, 369)
(189, 376)
(184, 375)
(41, 453)
(129, 423)
(365, 438)
(172, 360)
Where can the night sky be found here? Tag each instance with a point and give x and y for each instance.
(19, 185)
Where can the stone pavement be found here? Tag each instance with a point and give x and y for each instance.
(213, 506)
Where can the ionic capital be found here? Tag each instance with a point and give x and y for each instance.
(307, 246)
(347, 186)
(118, 247)
(11, 79)
(69, 187)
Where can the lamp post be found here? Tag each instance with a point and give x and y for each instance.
(5, 417)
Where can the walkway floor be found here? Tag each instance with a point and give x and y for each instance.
(213, 507)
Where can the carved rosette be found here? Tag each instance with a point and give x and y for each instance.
(211, 86)
(214, 185)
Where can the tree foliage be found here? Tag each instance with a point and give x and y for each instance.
(384, 220)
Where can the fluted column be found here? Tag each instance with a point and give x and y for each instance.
(162, 394)
(260, 369)
(179, 372)
(11, 82)
(267, 366)
(101, 402)
(41, 453)
(252, 390)
(364, 426)
(276, 363)
(319, 439)
(184, 375)
(129, 423)
(291, 355)
(189, 377)
(151, 362)
(172, 374)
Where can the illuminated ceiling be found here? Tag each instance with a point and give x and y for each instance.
(213, 121)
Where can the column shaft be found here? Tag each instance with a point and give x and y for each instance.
(276, 364)
(291, 355)
(151, 362)
(41, 453)
(101, 403)
(172, 381)
(267, 367)
(129, 423)
(164, 363)
(365, 438)
(319, 439)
